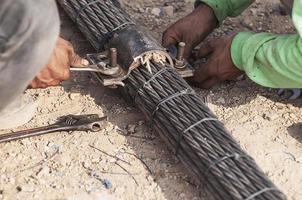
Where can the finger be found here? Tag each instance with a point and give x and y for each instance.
(205, 50)
(35, 84)
(209, 83)
(32, 85)
(77, 61)
(188, 51)
(204, 72)
(169, 39)
(54, 83)
(65, 75)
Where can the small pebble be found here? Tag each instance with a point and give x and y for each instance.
(107, 184)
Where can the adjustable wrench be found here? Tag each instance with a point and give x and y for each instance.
(92, 123)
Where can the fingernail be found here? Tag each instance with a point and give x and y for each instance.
(85, 62)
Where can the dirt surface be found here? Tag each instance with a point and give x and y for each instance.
(127, 154)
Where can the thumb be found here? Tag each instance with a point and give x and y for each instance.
(207, 84)
(205, 50)
(77, 61)
(169, 39)
(204, 72)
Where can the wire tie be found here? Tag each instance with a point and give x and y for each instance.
(163, 70)
(122, 26)
(261, 192)
(236, 156)
(169, 98)
(188, 129)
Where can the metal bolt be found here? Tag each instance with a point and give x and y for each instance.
(113, 57)
(181, 51)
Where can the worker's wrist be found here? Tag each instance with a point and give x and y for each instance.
(219, 13)
(203, 11)
(236, 49)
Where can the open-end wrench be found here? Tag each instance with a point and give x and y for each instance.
(92, 123)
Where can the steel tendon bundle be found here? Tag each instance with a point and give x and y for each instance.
(186, 124)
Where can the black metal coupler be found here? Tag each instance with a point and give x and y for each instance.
(129, 47)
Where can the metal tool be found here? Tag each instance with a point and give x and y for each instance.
(92, 123)
(106, 65)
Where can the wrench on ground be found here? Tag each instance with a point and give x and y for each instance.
(92, 123)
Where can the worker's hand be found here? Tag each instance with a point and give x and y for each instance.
(192, 29)
(58, 66)
(219, 66)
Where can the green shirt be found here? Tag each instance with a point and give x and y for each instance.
(269, 59)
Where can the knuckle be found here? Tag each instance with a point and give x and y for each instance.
(65, 75)
(33, 85)
(54, 83)
(43, 86)
(167, 33)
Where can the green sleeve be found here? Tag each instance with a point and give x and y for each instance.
(269, 59)
(227, 8)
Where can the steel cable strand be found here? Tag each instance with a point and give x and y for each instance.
(85, 11)
(199, 148)
(213, 123)
(185, 109)
(88, 26)
(99, 12)
(88, 19)
(256, 190)
(196, 112)
(254, 173)
(172, 134)
(101, 18)
(108, 12)
(246, 172)
(84, 23)
(196, 160)
(146, 101)
(156, 98)
(95, 24)
(72, 13)
(118, 14)
(198, 105)
(187, 97)
(187, 162)
(158, 120)
(211, 145)
(231, 164)
(240, 173)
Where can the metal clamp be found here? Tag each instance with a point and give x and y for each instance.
(181, 65)
(106, 67)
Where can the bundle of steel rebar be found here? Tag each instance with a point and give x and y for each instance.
(187, 125)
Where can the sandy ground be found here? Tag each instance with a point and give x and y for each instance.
(127, 152)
